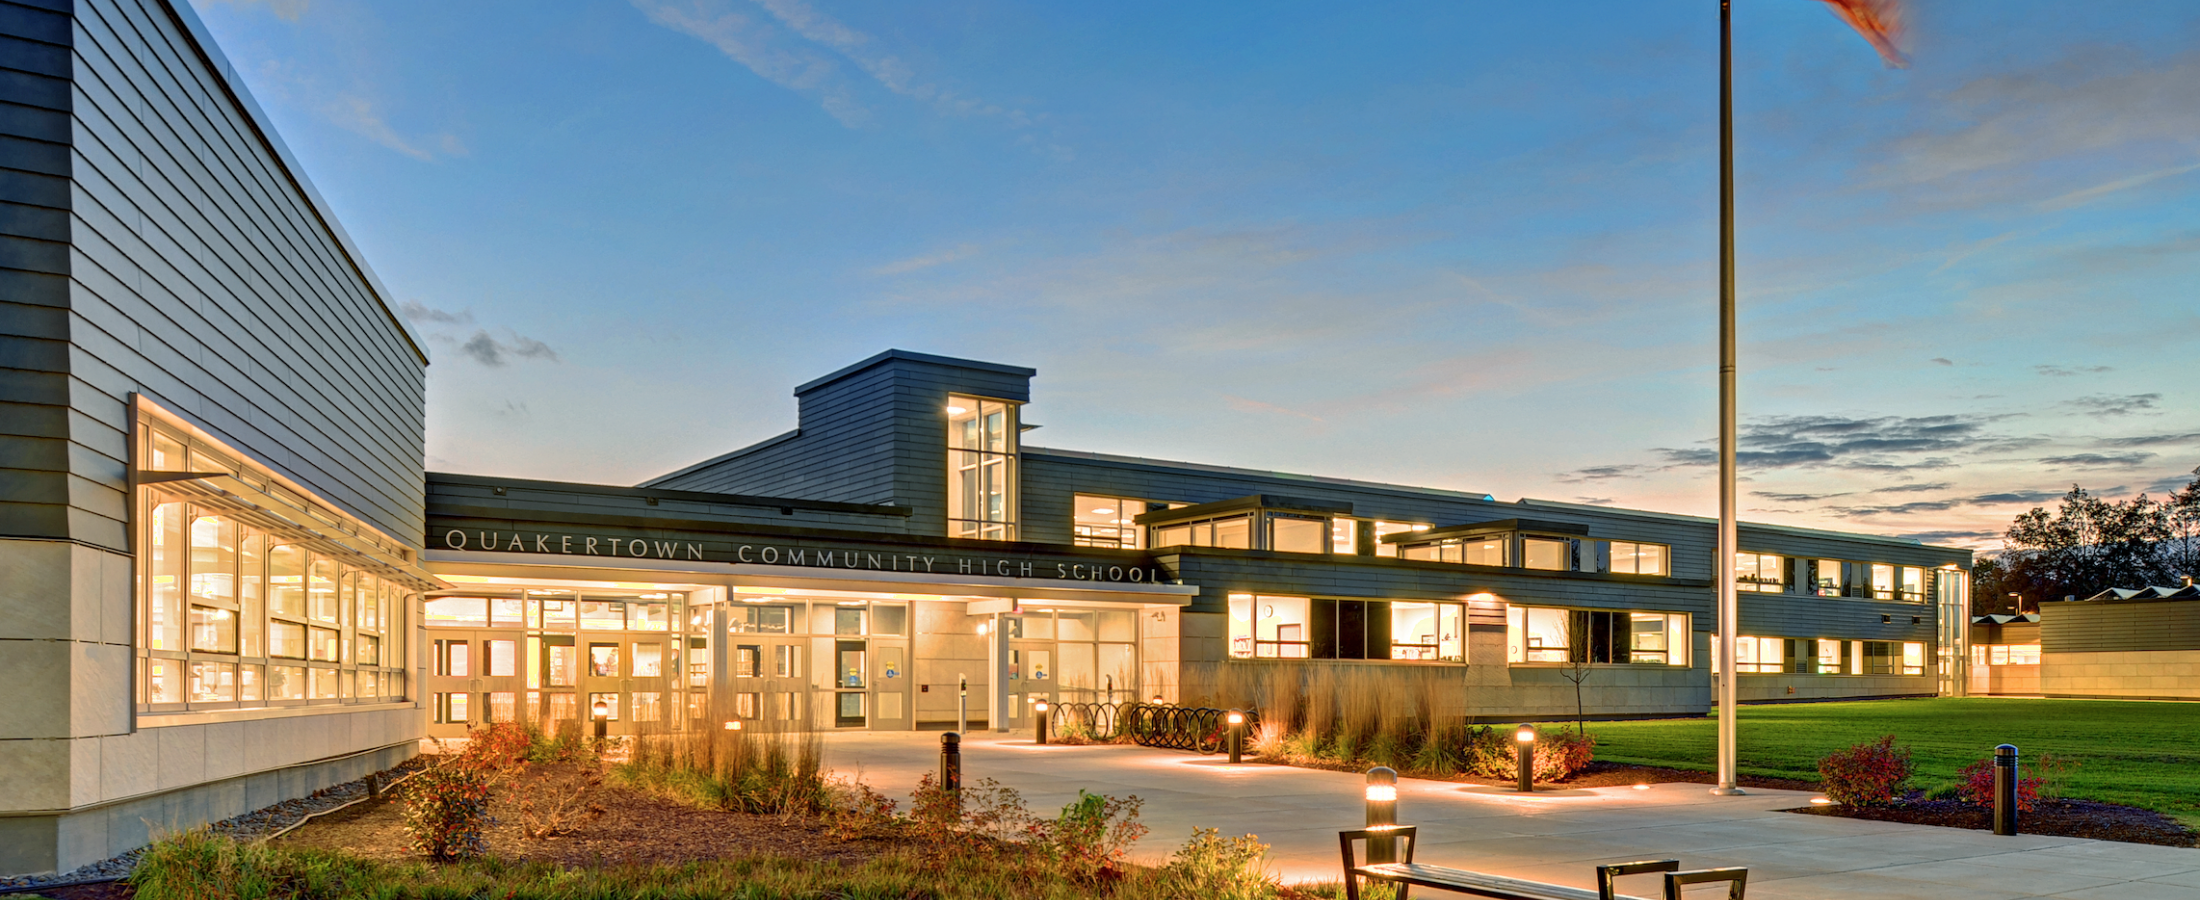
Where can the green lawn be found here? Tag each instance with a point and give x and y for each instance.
(2142, 754)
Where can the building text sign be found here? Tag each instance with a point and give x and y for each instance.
(809, 556)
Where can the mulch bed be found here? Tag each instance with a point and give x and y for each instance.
(2060, 818)
(612, 825)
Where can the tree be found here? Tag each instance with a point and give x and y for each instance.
(2088, 545)
(1577, 667)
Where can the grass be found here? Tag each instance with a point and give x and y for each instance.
(201, 866)
(2136, 753)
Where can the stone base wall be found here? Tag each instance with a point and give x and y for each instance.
(2136, 674)
(1778, 688)
(60, 842)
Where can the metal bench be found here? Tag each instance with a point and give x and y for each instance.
(1409, 874)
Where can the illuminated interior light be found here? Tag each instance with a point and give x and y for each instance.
(956, 410)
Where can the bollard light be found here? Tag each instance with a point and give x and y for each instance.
(602, 715)
(733, 725)
(951, 768)
(1524, 740)
(1039, 720)
(2005, 789)
(1382, 814)
(1236, 737)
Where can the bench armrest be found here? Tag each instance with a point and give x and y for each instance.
(1608, 874)
(1736, 878)
(1345, 839)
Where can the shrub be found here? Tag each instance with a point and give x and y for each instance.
(1978, 786)
(1210, 865)
(1088, 841)
(1490, 753)
(1866, 774)
(498, 748)
(198, 865)
(446, 808)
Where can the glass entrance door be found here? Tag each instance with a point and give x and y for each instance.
(851, 683)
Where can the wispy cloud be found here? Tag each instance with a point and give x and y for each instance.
(926, 261)
(287, 10)
(2099, 460)
(2104, 406)
(495, 353)
(429, 315)
(1605, 473)
(2069, 371)
(1912, 488)
(2088, 195)
(1869, 444)
(755, 45)
(355, 110)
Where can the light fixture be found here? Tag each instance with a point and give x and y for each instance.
(982, 629)
(1268, 612)
(1103, 511)
(1820, 801)
(954, 410)
(733, 725)
(1642, 787)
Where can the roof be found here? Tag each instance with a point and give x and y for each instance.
(2005, 618)
(913, 356)
(2152, 592)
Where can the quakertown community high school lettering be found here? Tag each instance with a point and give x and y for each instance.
(776, 555)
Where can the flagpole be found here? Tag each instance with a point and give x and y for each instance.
(1729, 605)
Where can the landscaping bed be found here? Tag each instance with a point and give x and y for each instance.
(611, 824)
(2061, 818)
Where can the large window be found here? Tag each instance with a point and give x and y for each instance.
(1638, 558)
(1485, 550)
(1297, 534)
(1266, 627)
(1825, 656)
(1765, 572)
(1549, 554)
(1539, 635)
(1099, 521)
(1229, 531)
(981, 468)
(238, 610)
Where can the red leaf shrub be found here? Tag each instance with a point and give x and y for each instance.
(1491, 753)
(1977, 786)
(1866, 774)
(446, 810)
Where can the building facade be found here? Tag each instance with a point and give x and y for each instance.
(2120, 644)
(903, 559)
(211, 427)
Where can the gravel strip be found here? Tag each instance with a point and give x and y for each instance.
(251, 826)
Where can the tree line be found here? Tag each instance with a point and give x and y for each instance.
(2088, 545)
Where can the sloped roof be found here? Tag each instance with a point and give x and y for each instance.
(2151, 592)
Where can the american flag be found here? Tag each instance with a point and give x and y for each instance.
(1879, 21)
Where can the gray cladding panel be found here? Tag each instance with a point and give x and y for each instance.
(2105, 627)
(203, 276)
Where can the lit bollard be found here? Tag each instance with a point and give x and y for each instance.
(1236, 737)
(951, 767)
(1382, 814)
(1524, 742)
(962, 704)
(2005, 789)
(602, 713)
(1039, 720)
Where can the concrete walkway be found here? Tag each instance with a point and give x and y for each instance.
(1555, 836)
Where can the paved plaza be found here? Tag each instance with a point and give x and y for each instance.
(1555, 836)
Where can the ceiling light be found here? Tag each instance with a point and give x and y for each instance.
(956, 410)
(1103, 511)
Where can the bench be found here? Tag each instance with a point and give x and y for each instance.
(1408, 874)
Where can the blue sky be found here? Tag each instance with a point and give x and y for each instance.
(1464, 245)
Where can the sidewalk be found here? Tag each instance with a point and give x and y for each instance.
(1552, 836)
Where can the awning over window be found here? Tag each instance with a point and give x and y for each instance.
(290, 523)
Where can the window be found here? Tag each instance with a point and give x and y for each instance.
(1882, 582)
(501, 706)
(1912, 588)
(456, 612)
(1296, 534)
(761, 619)
(1266, 627)
(219, 599)
(981, 468)
(1230, 532)
(1477, 551)
(1538, 635)
(1427, 631)
(1098, 521)
(1888, 658)
(2005, 654)
(602, 615)
(1637, 558)
(1550, 554)
(603, 660)
(503, 659)
(648, 616)
(1824, 576)
(1765, 572)
(649, 660)
(1756, 654)
(1269, 627)
(451, 708)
